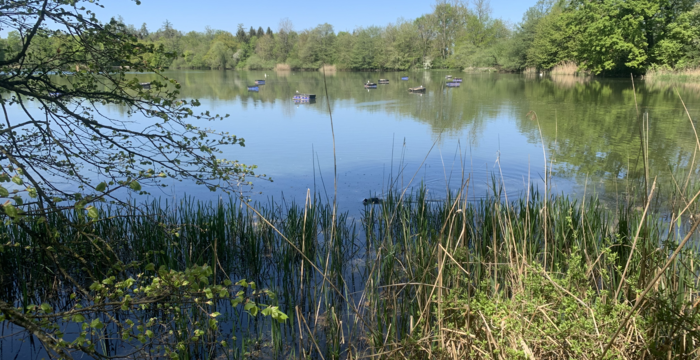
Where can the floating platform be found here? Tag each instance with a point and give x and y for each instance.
(307, 101)
(253, 88)
(404, 78)
(453, 84)
(448, 77)
(370, 86)
(304, 97)
(459, 80)
(417, 89)
(145, 85)
(259, 82)
(383, 81)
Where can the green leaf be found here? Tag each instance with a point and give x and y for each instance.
(101, 186)
(151, 267)
(46, 308)
(17, 180)
(96, 324)
(4, 192)
(93, 213)
(251, 308)
(134, 185)
(10, 210)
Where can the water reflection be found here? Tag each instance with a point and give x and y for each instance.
(590, 129)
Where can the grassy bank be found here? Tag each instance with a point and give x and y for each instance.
(417, 277)
(685, 75)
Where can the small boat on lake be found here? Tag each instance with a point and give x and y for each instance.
(253, 88)
(448, 77)
(453, 84)
(370, 85)
(304, 97)
(259, 82)
(459, 80)
(145, 85)
(417, 89)
(383, 81)
(404, 78)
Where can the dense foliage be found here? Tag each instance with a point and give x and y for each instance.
(62, 76)
(614, 36)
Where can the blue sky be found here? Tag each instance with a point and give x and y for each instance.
(226, 15)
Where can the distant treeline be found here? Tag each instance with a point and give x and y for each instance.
(614, 36)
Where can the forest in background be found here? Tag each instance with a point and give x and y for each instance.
(600, 37)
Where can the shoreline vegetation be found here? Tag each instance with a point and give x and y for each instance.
(555, 37)
(542, 276)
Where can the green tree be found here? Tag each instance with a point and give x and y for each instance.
(621, 35)
(58, 130)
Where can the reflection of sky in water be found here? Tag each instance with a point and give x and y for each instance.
(481, 129)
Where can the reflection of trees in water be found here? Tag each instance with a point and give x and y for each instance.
(589, 125)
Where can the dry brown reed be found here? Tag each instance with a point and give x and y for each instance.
(283, 67)
(530, 70)
(565, 68)
(328, 69)
(664, 74)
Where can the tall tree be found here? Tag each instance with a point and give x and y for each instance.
(449, 17)
(241, 36)
(269, 32)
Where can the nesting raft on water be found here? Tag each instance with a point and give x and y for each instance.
(417, 89)
(304, 97)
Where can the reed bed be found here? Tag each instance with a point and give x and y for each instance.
(283, 67)
(681, 75)
(418, 277)
(328, 69)
(565, 68)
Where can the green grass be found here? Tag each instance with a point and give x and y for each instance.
(411, 277)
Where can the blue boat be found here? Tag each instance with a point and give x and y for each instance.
(253, 88)
(453, 84)
(459, 80)
(259, 82)
(404, 78)
(304, 97)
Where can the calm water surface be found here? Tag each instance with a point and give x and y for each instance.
(492, 124)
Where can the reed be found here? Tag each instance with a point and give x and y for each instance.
(680, 75)
(283, 67)
(430, 278)
(565, 68)
(328, 69)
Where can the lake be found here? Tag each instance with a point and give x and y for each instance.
(492, 125)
